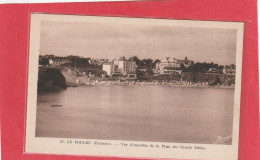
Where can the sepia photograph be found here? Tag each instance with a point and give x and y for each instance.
(134, 80)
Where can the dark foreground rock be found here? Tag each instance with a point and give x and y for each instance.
(50, 79)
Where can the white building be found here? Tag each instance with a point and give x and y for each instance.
(111, 69)
(120, 67)
(126, 67)
(171, 65)
(168, 62)
(58, 61)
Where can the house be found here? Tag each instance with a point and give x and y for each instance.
(212, 70)
(186, 62)
(111, 69)
(229, 70)
(170, 70)
(59, 61)
(171, 65)
(121, 67)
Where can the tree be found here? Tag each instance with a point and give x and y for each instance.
(182, 67)
(202, 67)
(140, 74)
(221, 67)
(43, 61)
(136, 60)
(79, 62)
(233, 66)
(148, 63)
(122, 58)
(149, 72)
(154, 63)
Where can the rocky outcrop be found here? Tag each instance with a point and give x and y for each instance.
(74, 77)
(50, 79)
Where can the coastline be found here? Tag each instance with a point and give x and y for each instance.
(53, 78)
(75, 78)
(109, 83)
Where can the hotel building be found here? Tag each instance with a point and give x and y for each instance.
(121, 67)
(171, 65)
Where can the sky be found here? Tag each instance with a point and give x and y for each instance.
(113, 40)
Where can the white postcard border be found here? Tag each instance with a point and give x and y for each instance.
(53, 145)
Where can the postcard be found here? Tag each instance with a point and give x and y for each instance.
(134, 87)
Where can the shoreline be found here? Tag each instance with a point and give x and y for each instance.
(74, 79)
(145, 83)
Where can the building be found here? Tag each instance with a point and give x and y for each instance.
(229, 70)
(170, 70)
(121, 67)
(172, 65)
(125, 67)
(111, 69)
(59, 61)
(213, 70)
(168, 62)
(186, 62)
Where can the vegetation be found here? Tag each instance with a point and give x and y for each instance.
(76, 61)
(43, 61)
(50, 78)
(144, 63)
(79, 62)
(201, 67)
(145, 67)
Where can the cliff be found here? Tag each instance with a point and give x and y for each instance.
(74, 77)
(50, 79)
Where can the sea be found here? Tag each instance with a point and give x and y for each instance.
(137, 113)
